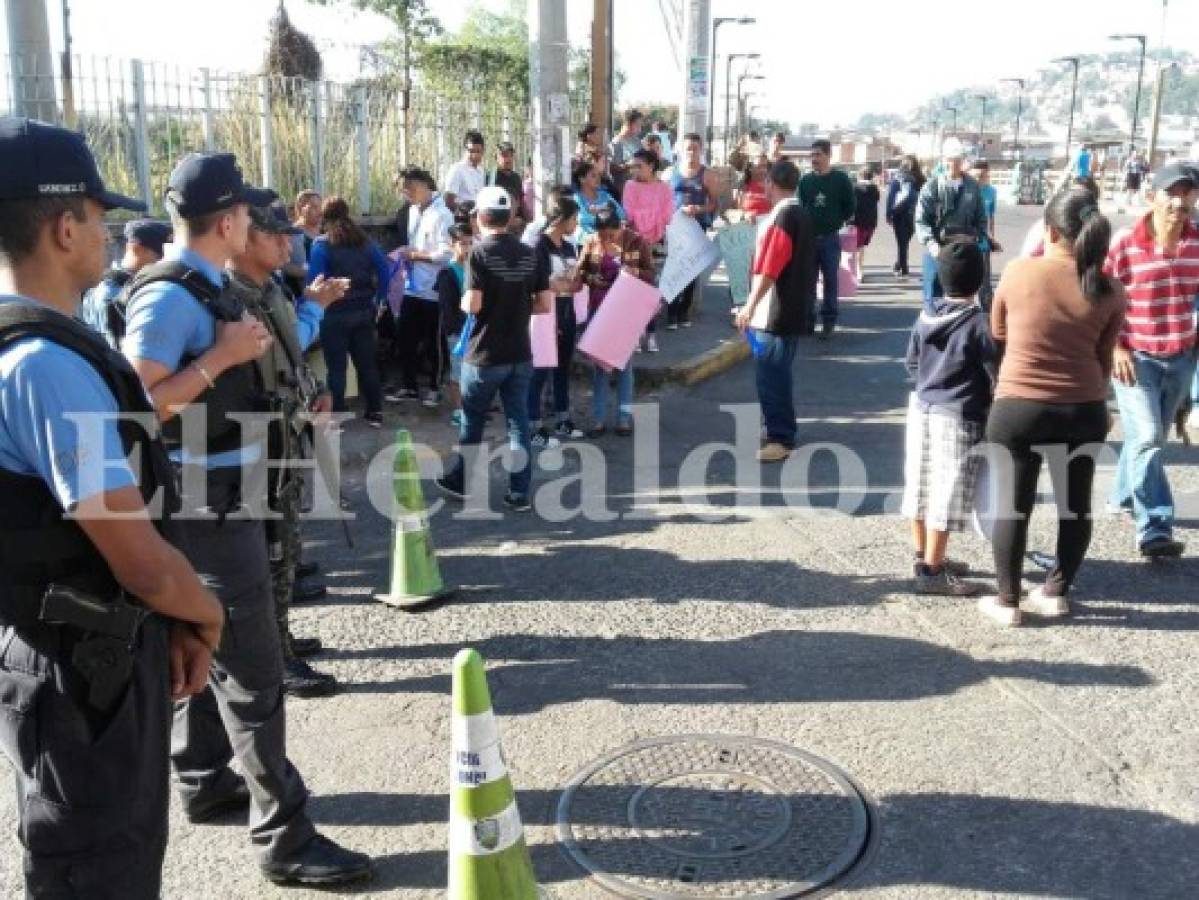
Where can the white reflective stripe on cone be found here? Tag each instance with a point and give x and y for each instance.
(486, 837)
(469, 732)
(471, 767)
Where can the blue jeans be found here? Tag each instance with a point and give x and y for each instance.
(561, 375)
(349, 334)
(930, 280)
(479, 386)
(1146, 412)
(599, 393)
(774, 362)
(828, 264)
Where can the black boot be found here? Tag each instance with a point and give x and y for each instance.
(320, 861)
(301, 680)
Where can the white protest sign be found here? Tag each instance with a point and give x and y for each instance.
(689, 254)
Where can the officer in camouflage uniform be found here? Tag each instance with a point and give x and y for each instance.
(294, 327)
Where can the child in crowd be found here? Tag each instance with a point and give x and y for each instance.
(649, 203)
(450, 288)
(953, 361)
(612, 249)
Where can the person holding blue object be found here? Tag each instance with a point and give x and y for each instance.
(102, 620)
(949, 206)
(781, 305)
(348, 328)
(592, 199)
(103, 307)
(455, 324)
(193, 344)
(504, 286)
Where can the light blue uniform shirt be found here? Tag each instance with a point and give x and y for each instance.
(93, 311)
(166, 324)
(41, 383)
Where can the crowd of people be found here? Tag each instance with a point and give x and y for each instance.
(214, 315)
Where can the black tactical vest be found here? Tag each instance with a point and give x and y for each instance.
(39, 544)
(237, 390)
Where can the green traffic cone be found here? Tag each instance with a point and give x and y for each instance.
(489, 859)
(415, 576)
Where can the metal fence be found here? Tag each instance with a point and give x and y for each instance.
(351, 139)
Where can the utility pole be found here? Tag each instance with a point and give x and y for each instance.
(601, 67)
(68, 89)
(32, 64)
(1158, 90)
(743, 20)
(1074, 61)
(982, 124)
(1019, 82)
(549, 90)
(695, 109)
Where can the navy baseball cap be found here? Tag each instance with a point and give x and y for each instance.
(42, 160)
(1174, 173)
(204, 183)
(272, 220)
(150, 233)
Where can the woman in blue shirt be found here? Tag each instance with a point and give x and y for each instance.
(348, 329)
(592, 198)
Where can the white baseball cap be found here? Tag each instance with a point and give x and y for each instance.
(493, 199)
(953, 149)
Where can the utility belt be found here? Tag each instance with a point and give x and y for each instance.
(92, 638)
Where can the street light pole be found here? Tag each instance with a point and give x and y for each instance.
(728, 93)
(740, 82)
(954, 110)
(1136, 106)
(1019, 82)
(982, 123)
(1074, 61)
(716, 23)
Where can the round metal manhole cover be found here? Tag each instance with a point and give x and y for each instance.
(714, 817)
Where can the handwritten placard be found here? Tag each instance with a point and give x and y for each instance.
(689, 254)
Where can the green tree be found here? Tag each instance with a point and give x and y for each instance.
(291, 53)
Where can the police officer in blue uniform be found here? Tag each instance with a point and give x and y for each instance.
(194, 346)
(102, 307)
(102, 620)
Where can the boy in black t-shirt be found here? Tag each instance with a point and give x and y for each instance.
(505, 284)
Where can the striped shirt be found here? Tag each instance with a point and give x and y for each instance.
(1162, 290)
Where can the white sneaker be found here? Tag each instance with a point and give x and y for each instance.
(1193, 418)
(432, 399)
(1008, 616)
(651, 344)
(1038, 603)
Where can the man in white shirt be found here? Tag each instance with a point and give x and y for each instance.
(466, 177)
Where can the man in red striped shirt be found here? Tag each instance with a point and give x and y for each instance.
(1158, 264)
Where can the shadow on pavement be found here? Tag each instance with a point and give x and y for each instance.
(998, 845)
(532, 673)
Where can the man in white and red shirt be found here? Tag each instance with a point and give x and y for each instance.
(781, 305)
(1157, 261)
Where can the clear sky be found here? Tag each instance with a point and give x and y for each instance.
(825, 62)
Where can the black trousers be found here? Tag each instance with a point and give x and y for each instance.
(92, 789)
(1027, 429)
(904, 228)
(680, 311)
(420, 340)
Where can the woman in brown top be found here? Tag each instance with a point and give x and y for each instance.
(1055, 319)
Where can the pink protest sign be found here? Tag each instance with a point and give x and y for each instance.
(582, 305)
(619, 322)
(543, 335)
(847, 282)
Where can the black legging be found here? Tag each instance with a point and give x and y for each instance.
(1022, 427)
(904, 227)
(680, 311)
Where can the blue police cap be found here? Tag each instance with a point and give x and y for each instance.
(41, 160)
(150, 233)
(204, 183)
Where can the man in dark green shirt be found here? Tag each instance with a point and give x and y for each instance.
(827, 194)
